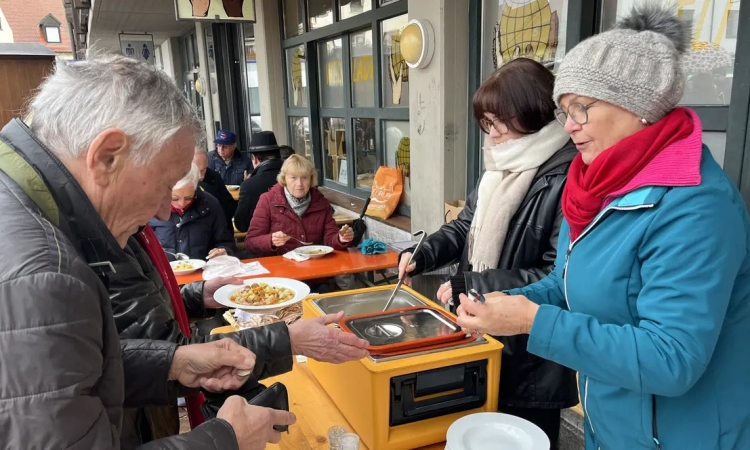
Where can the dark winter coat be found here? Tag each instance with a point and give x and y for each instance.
(201, 229)
(262, 179)
(233, 173)
(214, 185)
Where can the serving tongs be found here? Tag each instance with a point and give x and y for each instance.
(422, 235)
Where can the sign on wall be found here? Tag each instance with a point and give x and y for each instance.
(213, 10)
(138, 46)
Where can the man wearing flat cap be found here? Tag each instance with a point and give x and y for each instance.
(227, 160)
(266, 157)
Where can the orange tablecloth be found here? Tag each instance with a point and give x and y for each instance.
(337, 263)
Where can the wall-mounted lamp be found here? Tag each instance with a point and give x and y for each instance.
(418, 43)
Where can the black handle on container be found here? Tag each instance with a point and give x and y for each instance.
(464, 387)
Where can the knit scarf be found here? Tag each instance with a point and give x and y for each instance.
(588, 186)
(510, 170)
(299, 205)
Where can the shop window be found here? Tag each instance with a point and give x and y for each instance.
(330, 62)
(350, 113)
(709, 63)
(251, 76)
(351, 8)
(362, 69)
(334, 147)
(294, 18)
(296, 76)
(733, 20)
(320, 13)
(395, 72)
(365, 152)
(300, 136)
(397, 152)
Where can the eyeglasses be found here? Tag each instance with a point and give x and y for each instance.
(577, 111)
(499, 125)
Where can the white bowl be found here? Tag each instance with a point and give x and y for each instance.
(489, 431)
(314, 248)
(197, 264)
(301, 290)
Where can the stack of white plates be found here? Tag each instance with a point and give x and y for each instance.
(495, 431)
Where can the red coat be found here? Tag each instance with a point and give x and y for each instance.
(273, 214)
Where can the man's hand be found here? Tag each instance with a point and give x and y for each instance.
(312, 338)
(253, 425)
(279, 239)
(211, 286)
(215, 366)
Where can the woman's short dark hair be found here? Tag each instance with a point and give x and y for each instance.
(519, 94)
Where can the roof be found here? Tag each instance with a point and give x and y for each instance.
(24, 17)
(25, 49)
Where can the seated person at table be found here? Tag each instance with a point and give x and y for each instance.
(294, 211)
(196, 225)
(228, 160)
(266, 156)
(210, 181)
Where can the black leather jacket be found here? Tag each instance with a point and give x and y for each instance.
(528, 256)
(142, 309)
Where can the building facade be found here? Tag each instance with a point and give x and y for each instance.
(36, 22)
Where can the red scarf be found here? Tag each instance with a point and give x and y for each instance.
(150, 243)
(181, 212)
(588, 186)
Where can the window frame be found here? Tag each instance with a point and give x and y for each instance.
(316, 112)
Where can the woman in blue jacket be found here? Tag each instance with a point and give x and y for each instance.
(650, 297)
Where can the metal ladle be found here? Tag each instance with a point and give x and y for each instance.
(422, 235)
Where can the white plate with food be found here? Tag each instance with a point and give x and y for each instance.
(314, 251)
(233, 187)
(489, 431)
(262, 295)
(186, 267)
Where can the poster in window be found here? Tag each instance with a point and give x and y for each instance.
(138, 46)
(529, 29)
(213, 10)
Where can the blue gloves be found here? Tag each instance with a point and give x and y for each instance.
(372, 247)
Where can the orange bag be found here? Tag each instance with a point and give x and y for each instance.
(386, 192)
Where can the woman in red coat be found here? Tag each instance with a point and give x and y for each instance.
(294, 209)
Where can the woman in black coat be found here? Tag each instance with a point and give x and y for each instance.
(506, 235)
(197, 226)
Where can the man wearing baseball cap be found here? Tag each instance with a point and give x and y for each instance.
(227, 160)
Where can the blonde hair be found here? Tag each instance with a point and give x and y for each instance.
(298, 165)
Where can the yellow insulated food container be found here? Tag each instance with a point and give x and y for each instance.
(406, 401)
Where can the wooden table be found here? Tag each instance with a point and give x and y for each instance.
(315, 412)
(350, 261)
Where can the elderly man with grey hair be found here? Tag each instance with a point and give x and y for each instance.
(109, 139)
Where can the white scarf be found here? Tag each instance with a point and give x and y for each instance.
(510, 170)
